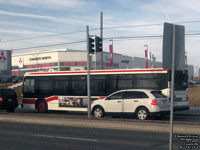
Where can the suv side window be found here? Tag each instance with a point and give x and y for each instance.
(158, 94)
(116, 96)
(135, 95)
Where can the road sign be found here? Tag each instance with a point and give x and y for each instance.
(179, 46)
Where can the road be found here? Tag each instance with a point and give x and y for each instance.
(20, 136)
(189, 116)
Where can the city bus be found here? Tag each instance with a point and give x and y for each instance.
(67, 90)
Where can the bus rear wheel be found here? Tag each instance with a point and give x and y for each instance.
(42, 106)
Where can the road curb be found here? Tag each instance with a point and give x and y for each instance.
(136, 126)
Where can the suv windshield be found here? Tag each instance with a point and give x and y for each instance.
(158, 94)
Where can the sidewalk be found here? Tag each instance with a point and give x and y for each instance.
(119, 125)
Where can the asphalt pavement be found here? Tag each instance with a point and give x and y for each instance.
(27, 129)
(20, 136)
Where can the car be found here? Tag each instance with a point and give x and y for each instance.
(192, 82)
(8, 99)
(144, 103)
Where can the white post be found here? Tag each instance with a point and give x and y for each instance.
(88, 72)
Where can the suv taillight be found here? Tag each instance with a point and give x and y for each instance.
(154, 102)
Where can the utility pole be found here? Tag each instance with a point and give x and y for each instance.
(172, 90)
(146, 56)
(101, 36)
(88, 72)
(186, 59)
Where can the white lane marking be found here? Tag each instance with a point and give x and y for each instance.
(50, 136)
(64, 137)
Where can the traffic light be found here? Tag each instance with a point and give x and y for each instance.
(91, 45)
(98, 44)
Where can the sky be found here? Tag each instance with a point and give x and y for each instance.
(34, 23)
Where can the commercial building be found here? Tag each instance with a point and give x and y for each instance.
(5, 64)
(70, 60)
(65, 60)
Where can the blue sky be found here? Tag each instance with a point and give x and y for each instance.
(21, 19)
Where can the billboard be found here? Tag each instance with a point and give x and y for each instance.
(179, 46)
(5, 60)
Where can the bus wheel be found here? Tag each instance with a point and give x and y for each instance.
(142, 113)
(98, 112)
(42, 106)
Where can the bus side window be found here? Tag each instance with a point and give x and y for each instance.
(111, 84)
(62, 88)
(79, 85)
(45, 86)
(62, 85)
(125, 82)
(98, 87)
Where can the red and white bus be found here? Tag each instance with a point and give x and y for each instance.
(68, 90)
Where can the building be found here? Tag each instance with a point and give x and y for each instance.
(65, 60)
(190, 72)
(5, 64)
(70, 60)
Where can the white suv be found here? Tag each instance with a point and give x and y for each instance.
(142, 102)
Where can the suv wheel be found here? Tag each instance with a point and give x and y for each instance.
(98, 112)
(142, 113)
(42, 106)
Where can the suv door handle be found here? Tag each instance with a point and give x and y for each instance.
(119, 101)
(135, 100)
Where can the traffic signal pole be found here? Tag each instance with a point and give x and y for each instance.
(88, 72)
(90, 50)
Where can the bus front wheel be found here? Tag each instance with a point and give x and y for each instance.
(42, 106)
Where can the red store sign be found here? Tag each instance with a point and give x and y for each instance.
(40, 65)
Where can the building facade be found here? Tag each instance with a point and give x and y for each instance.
(66, 60)
(71, 60)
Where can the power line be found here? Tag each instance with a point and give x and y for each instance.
(49, 45)
(105, 28)
(146, 36)
(37, 37)
(105, 39)
(133, 26)
(133, 37)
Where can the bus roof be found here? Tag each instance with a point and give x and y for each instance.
(98, 72)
